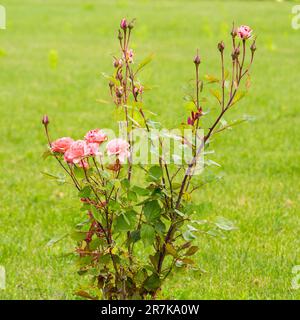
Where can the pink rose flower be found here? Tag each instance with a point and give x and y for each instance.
(77, 152)
(244, 32)
(95, 136)
(93, 149)
(61, 145)
(119, 148)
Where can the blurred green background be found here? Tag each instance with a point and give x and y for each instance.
(52, 54)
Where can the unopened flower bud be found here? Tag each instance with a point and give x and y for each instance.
(253, 46)
(111, 85)
(233, 32)
(119, 75)
(131, 24)
(118, 63)
(45, 120)
(123, 24)
(197, 59)
(120, 35)
(221, 46)
(235, 53)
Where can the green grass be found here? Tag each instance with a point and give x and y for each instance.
(260, 189)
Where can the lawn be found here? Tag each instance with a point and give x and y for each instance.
(51, 57)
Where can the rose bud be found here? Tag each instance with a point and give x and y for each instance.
(253, 46)
(120, 36)
(45, 120)
(221, 46)
(233, 32)
(131, 24)
(123, 24)
(197, 59)
(235, 53)
(118, 63)
(119, 75)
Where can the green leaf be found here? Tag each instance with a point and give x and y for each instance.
(240, 95)
(181, 214)
(192, 250)
(152, 210)
(154, 259)
(79, 173)
(110, 78)
(171, 250)
(85, 192)
(125, 221)
(159, 226)
(47, 154)
(125, 183)
(140, 191)
(141, 275)
(188, 235)
(147, 234)
(211, 79)
(78, 235)
(56, 239)
(84, 261)
(60, 178)
(216, 94)
(135, 236)
(152, 283)
(187, 261)
(144, 62)
(225, 224)
(84, 294)
(114, 205)
(105, 259)
(95, 243)
(155, 173)
(131, 196)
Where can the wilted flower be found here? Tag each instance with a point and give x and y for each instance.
(138, 90)
(119, 148)
(61, 145)
(244, 32)
(119, 92)
(194, 116)
(128, 56)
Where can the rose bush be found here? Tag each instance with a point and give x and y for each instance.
(141, 220)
